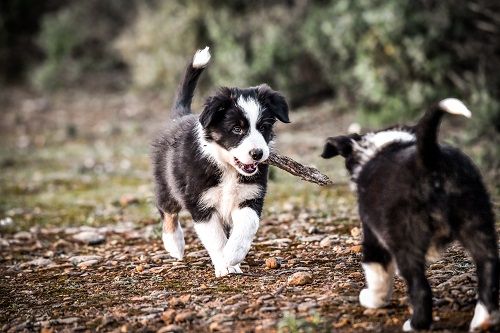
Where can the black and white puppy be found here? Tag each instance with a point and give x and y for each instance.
(416, 196)
(212, 166)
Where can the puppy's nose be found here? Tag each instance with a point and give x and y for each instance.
(256, 154)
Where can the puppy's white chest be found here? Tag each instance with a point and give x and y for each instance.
(228, 195)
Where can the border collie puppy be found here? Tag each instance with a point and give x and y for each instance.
(416, 196)
(212, 166)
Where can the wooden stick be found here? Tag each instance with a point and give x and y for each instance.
(306, 173)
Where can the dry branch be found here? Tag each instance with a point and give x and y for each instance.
(306, 173)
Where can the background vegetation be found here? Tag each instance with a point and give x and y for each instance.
(386, 60)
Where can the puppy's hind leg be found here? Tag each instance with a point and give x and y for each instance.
(379, 272)
(482, 246)
(173, 236)
(412, 268)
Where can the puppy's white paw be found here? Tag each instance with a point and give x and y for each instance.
(226, 270)
(371, 300)
(482, 319)
(174, 243)
(235, 255)
(407, 326)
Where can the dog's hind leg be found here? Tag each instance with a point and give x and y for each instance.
(482, 246)
(412, 268)
(379, 272)
(172, 235)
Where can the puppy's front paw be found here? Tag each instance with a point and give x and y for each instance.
(226, 270)
(371, 300)
(234, 256)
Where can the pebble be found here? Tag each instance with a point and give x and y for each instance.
(168, 316)
(170, 328)
(300, 279)
(185, 316)
(39, 262)
(326, 242)
(355, 232)
(89, 237)
(23, 236)
(272, 263)
(356, 249)
(80, 259)
(88, 263)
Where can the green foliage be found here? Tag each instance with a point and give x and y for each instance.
(76, 40)
(386, 59)
(58, 38)
(291, 324)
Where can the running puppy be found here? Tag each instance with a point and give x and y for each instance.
(212, 166)
(415, 197)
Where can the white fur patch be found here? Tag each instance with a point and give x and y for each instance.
(212, 236)
(245, 225)
(212, 151)
(229, 194)
(372, 143)
(174, 243)
(254, 139)
(481, 317)
(379, 285)
(407, 326)
(455, 106)
(201, 58)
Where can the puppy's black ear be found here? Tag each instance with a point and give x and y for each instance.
(273, 101)
(215, 106)
(339, 145)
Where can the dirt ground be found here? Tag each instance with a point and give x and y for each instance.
(80, 247)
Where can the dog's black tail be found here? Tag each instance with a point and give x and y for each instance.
(185, 91)
(428, 126)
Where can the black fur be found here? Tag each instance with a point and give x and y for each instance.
(181, 172)
(414, 195)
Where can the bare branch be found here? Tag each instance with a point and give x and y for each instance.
(306, 173)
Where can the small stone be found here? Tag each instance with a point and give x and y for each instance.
(89, 237)
(139, 268)
(79, 259)
(356, 249)
(355, 232)
(88, 263)
(272, 263)
(170, 328)
(39, 262)
(300, 279)
(326, 242)
(23, 236)
(168, 316)
(127, 200)
(184, 316)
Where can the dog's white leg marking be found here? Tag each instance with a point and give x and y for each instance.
(213, 238)
(173, 236)
(245, 225)
(482, 318)
(379, 285)
(407, 326)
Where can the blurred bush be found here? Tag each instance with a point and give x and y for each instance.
(388, 59)
(77, 38)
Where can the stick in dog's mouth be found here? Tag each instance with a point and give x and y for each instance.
(306, 173)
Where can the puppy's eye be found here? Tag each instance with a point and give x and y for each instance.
(237, 130)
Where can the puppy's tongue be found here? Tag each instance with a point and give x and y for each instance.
(248, 168)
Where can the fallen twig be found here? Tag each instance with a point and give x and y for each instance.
(306, 173)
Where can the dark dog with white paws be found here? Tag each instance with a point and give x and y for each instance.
(415, 197)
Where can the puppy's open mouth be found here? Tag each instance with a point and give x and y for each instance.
(249, 169)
